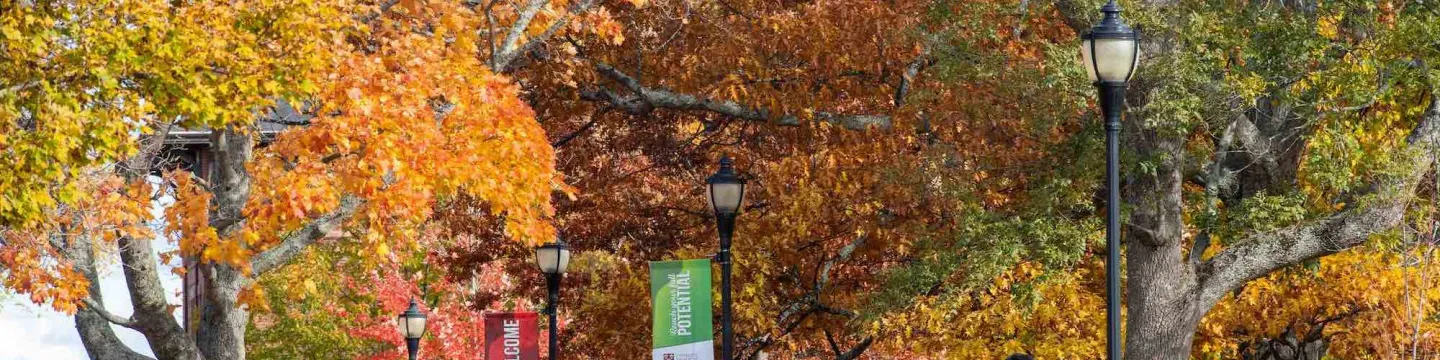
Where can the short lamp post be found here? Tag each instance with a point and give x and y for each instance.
(1111, 52)
(412, 326)
(553, 259)
(726, 192)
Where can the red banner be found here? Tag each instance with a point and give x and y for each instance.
(512, 336)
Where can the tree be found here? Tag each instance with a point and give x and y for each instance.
(961, 175)
(834, 206)
(400, 116)
(1271, 139)
(1329, 103)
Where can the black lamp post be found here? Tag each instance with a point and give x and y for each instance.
(1110, 52)
(412, 326)
(553, 259)
(725, 192)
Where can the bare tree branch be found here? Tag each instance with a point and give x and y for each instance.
(646, 99)
(112, 318)
(595, 117)
(505, 61)
(911, 71)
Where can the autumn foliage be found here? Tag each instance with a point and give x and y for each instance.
(923, 175)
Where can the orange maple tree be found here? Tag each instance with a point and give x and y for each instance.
(394, 117)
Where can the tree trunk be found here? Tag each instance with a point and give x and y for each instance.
(1169, 294)
(153, 316)
(1160, 290)
(222, 322)
(95, 332)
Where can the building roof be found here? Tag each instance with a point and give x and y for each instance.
(272, 122)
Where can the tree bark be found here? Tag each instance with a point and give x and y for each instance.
(95, 332)
(222, 321)
(221, 333)
(1169, 294)
(1162, 304)
(152, 317)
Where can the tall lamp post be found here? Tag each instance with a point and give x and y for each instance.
(553, 259)
(411, 324)
(1110, 52)
(725, 191)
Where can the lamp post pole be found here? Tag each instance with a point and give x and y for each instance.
(725, 191)
(725, 223)
(552, 284)
(413, 346)
(1112, 96)
(1111, 52)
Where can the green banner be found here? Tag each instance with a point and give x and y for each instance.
(680, 296)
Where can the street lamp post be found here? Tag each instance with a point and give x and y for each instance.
(553, 259)
(411, 324)
(1110, 52)
(725, 192)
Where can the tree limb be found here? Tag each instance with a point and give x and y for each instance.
(1259, 254)
(648, 99)
(94, 329)
(505, 61)
(856, 351)
(843, 255)
(911, 71)
(297, 241)
(512, 38)
(595, 117)
(112, 318)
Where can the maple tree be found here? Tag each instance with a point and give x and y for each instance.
(1184, 100)
(397, 116)
(923, 173)
(962, 175)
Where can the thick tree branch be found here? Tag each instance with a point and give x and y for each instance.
(94, 328)
(911, 71)
(295, 243)
(843, 255)
(648, 99)
(505, 61)
(857, 350)
(512, 37)
(112, 318)
(1259, 254)
(152, 316)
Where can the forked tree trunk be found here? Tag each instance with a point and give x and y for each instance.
(221, 333)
